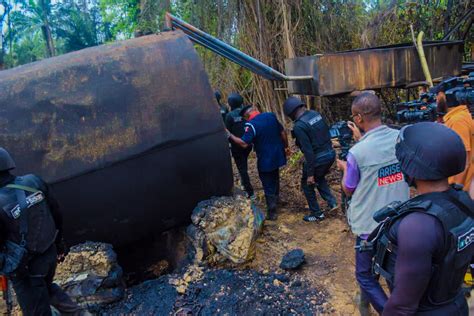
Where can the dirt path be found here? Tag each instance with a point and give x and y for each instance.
(328, 245)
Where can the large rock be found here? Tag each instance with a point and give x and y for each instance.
(91, 275)
(292, 260)
(225, 228)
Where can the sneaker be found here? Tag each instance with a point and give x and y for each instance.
(313, 217)
(331, 208)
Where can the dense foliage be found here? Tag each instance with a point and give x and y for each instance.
(270, 30)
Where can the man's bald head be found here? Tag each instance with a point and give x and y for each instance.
(367, 105)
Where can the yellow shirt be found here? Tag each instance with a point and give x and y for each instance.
(459, 119)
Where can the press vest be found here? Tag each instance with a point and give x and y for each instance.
(455, 211)
(318, 131)
(381, 180)
(35, 214)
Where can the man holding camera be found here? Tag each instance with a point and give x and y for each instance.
(458, 118)
(372, 176)
(312, 137)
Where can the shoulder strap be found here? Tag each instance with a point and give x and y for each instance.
(446, 196)
(22, 187)
(21, 197)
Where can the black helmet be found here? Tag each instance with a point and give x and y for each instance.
(235, 100)
(291, 104)
(430, 151)
(6, 161)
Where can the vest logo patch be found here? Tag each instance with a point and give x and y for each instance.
(31, 200)
(315, 120)
(465, 240)
(389, 174)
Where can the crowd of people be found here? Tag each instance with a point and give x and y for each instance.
(421, 245)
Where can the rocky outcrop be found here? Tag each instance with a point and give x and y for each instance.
(91, 276)
(225, 228)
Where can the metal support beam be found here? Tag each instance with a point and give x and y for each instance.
(227, 51)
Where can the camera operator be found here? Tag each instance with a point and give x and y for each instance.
(312, 137)
(372, 176)
(458, 118)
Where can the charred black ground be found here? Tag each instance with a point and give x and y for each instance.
(224, 291)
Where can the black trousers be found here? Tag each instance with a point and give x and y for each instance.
(271, 187)
(240, 158)
(32, 284)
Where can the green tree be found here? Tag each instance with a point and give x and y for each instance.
(77, 26)
(35, 16)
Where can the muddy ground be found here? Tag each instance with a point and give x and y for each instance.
(328, 245)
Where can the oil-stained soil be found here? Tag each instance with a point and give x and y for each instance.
(224, 292)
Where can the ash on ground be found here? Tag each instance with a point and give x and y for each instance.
(223, 292)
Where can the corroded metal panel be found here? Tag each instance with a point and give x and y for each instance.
(374, 68)
(129, 134)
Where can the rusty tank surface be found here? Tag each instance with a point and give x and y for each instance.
(128, 135)
(394, 66)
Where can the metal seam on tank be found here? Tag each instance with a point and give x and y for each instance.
(159, 147)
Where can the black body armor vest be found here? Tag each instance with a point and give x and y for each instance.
(318, 131)
(236, 123)
(455, 210)
(26, 214)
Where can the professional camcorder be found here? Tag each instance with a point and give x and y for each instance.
(417, 111)
(458, 90)
(341, 131)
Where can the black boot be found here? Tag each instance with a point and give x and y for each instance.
(272, 201)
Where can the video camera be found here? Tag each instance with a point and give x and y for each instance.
(420, 110)
(458, 90)
(341, 131)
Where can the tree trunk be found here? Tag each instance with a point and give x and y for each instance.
(2, 36)
(46, 28)
(48, 37)
(447, 16)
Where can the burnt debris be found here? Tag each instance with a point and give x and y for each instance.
(222, 291)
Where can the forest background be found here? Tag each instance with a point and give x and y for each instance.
(269, 30)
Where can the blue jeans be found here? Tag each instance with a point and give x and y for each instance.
(369, 286)
(322, 165)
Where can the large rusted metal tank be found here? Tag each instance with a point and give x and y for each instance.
(128, 134)
(373, 68)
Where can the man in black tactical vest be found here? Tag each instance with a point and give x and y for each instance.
(31, 237)
(235, 123)
(312, 137)
(423, 246)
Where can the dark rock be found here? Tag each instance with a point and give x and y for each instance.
(292, 260)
